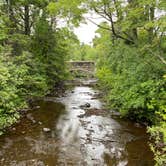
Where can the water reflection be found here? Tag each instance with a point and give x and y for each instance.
(99, 136)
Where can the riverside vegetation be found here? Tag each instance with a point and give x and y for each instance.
(130, 50)
(33, 51)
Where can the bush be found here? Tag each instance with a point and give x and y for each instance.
(30, 72)
(134, 83)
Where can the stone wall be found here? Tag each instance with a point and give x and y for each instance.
(86, 68)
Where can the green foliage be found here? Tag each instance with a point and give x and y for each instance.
(32, 53)
(71, 11)
(136, 83)
(20, 79)
(158, 134)
(131, 62)
(10, 100)
(49, 49)
(135, 86)
(104, 75)
(81, 52)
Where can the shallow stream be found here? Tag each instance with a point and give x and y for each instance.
(67, 132)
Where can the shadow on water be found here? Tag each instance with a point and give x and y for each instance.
(59, 133)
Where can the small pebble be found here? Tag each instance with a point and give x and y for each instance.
(46, 129)
(14, 129)
(40, 123)
(37, 107)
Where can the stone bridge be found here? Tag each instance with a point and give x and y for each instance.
(82, 68)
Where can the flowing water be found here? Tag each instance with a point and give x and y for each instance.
(62, 132)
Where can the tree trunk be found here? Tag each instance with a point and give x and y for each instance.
(26, 20)
(12, 25)
(151, 18)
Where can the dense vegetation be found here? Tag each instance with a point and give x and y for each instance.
(82, 52)
(131, 53)
(33, 50)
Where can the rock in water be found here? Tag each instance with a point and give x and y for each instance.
(31, 118)
(46, 129)
(37, 107)
(87, 105)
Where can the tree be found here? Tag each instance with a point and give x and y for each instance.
(33, 49)
(70, 12)
(131, 67)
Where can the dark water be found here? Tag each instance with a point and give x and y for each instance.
(74, 140)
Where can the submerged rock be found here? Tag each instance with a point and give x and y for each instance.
(24, 111)
(94, 111)
(46, 129)
(14, 129)
(138, 125)
(37, 107)
(115, 113)
(40, 123)
(31, 118)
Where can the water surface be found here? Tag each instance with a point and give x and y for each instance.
(74, 139)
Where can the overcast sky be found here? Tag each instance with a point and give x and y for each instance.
(86, 32)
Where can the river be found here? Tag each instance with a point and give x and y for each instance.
(75, 130)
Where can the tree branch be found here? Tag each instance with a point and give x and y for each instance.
(108, 16)
(100, 26)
